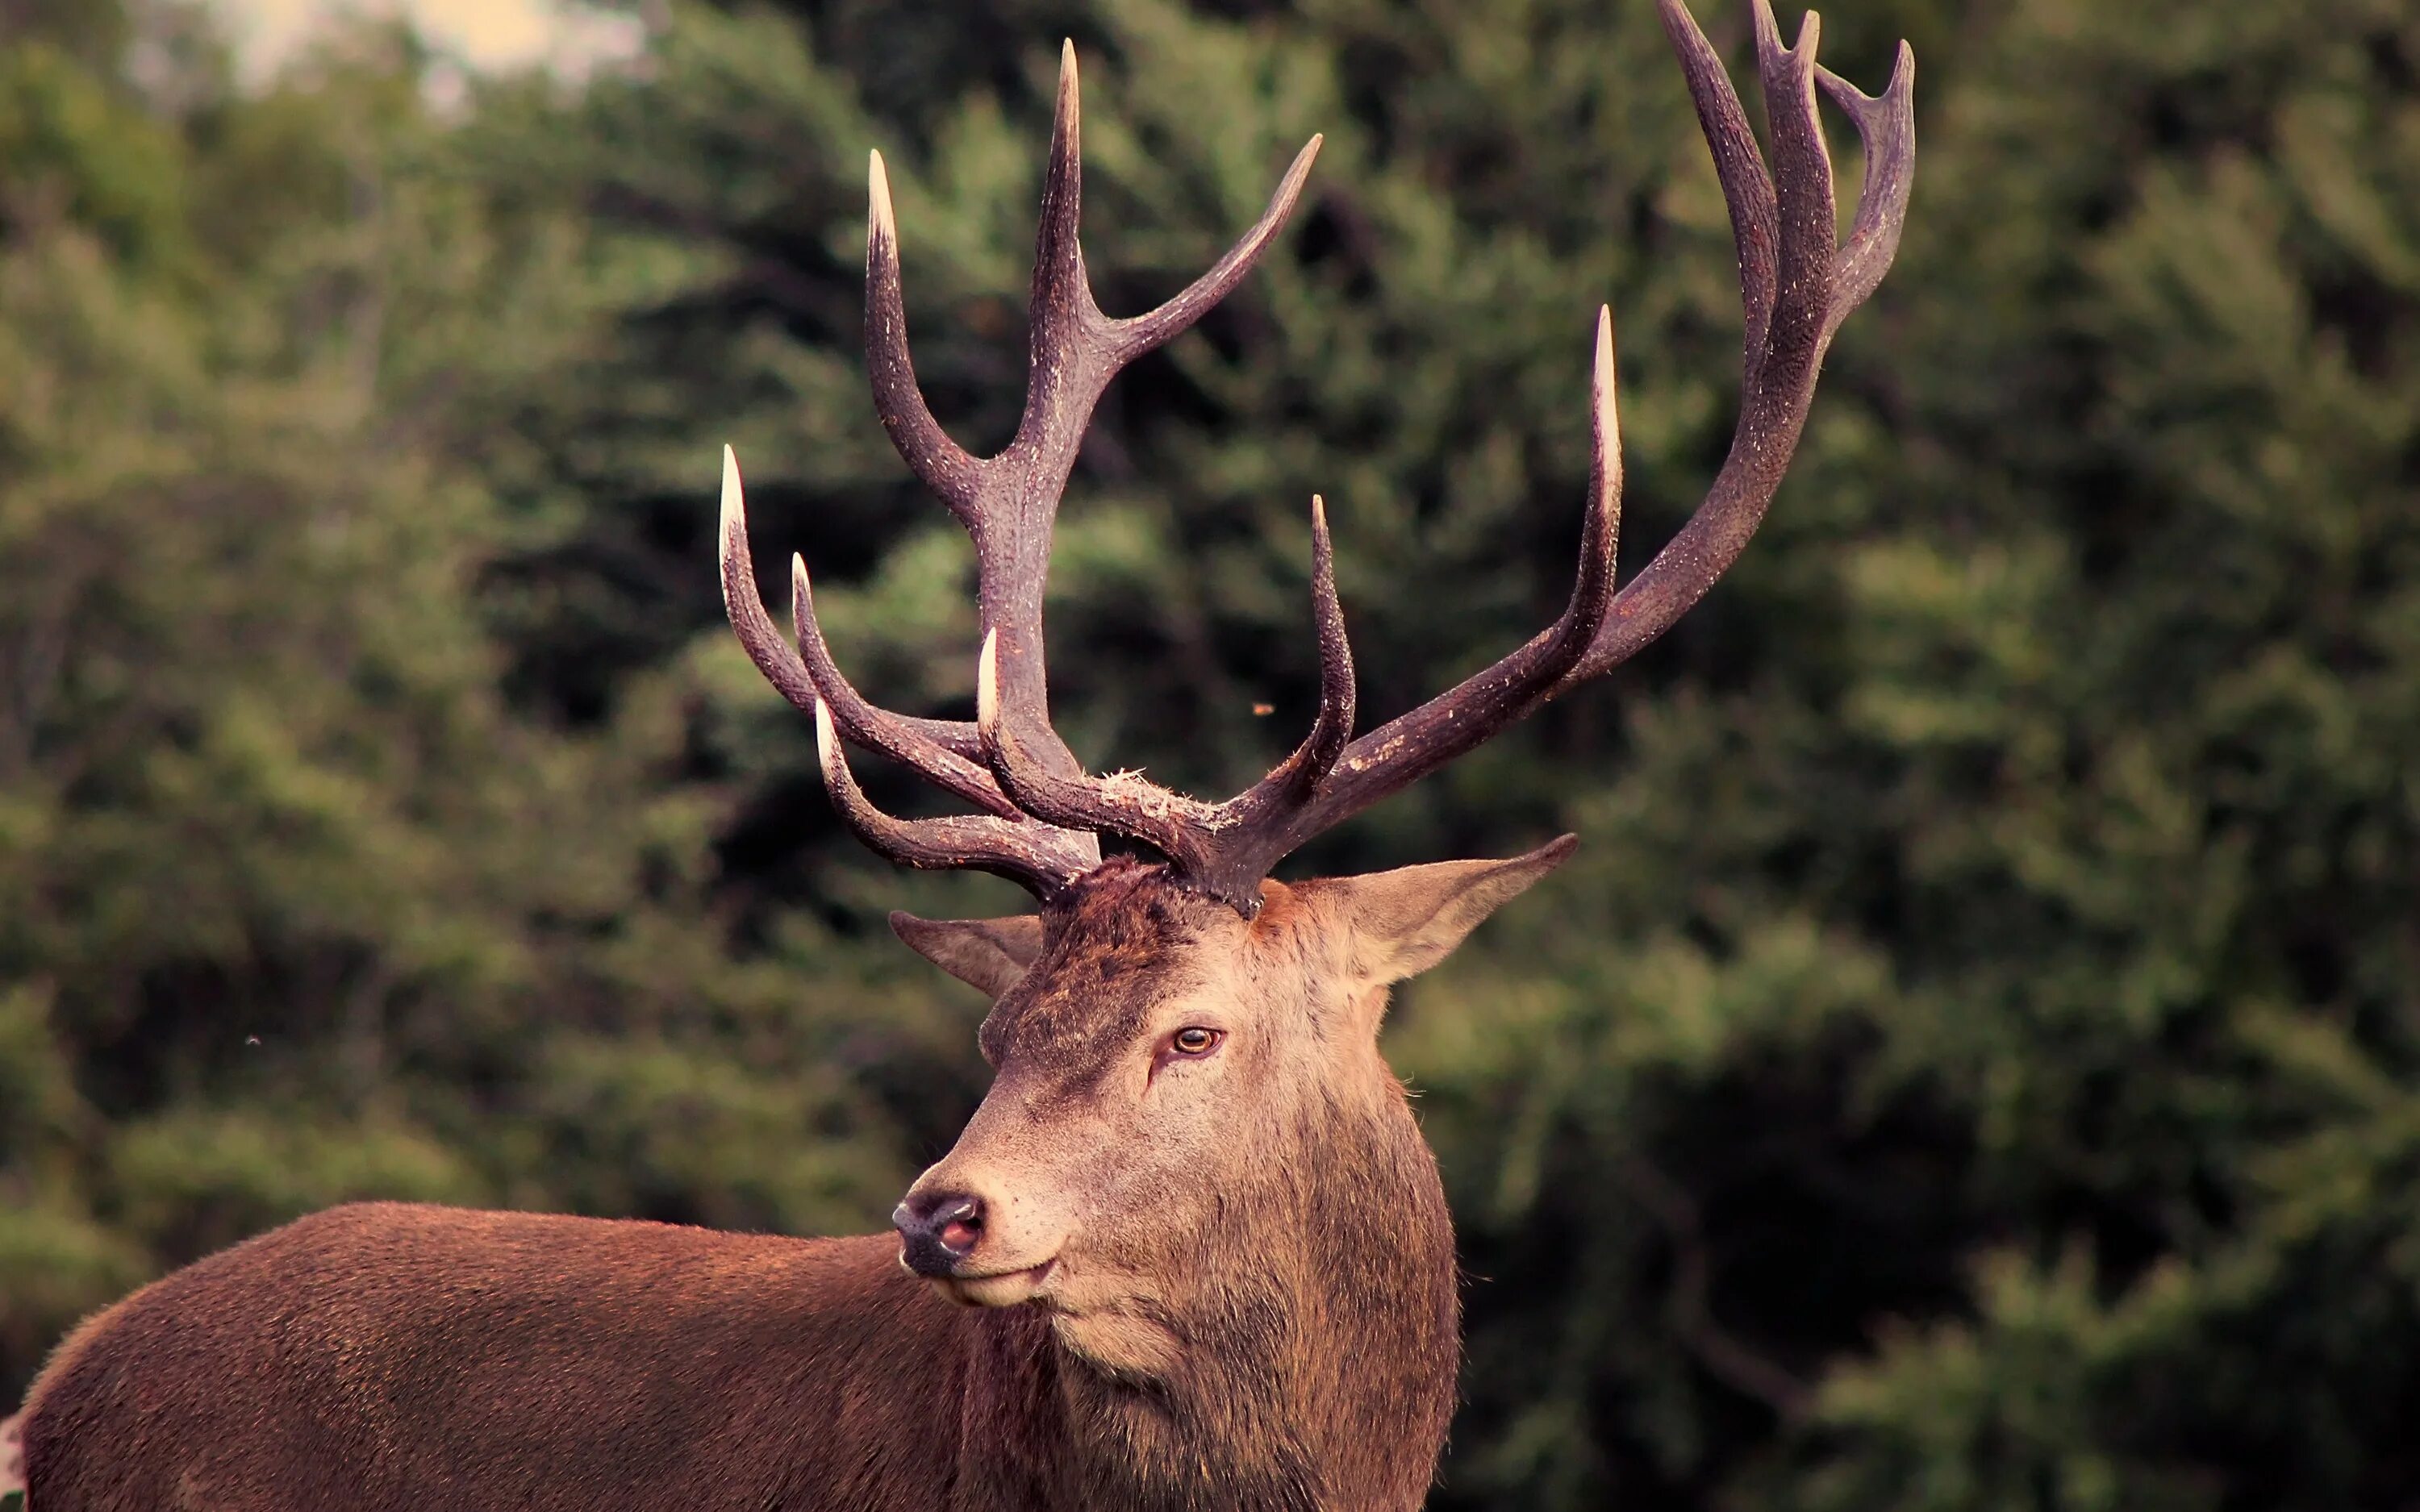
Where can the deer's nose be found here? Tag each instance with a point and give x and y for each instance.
(937, 1231)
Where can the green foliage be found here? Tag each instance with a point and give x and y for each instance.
(1971, 1063)
(295, 906)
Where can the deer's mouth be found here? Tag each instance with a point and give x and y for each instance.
(998, 1288)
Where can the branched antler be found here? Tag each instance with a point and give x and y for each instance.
(1042, 811)
(1796, 286)
(1043, 814)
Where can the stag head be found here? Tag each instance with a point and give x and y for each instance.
(1166, 1066)
(1190, 1127)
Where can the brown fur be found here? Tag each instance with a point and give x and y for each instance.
(1266, 1320)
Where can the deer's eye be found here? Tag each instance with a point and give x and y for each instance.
(1195, 1041)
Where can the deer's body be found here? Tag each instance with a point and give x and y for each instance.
(419, 1359)
(1191, 1253)
(422, 1359)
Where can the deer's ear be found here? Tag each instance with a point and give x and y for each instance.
(988, 955)
(1399, 923)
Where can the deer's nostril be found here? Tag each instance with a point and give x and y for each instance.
(957, 1225)
(939, 1230)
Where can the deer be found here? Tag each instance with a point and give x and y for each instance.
(1192, 1250)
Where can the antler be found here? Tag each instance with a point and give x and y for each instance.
(1044, 811)
(1796, 286)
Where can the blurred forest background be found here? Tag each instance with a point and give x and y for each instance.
(1974, 1062)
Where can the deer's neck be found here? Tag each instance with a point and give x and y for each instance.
(1320, 1339)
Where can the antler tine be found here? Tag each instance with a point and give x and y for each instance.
(939, 462)
(1137, 334)
(1887, 127)
(806, 675)
(1808, 208)
(934, 748)
(1065, 358)
(1038, 858)
(1242, 829)
(775, 658)
(1311, 760)
(1739, 166)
